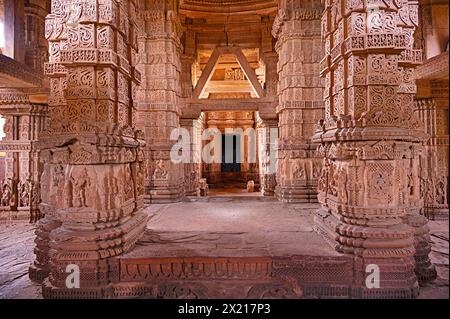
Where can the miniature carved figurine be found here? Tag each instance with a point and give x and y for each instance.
(7, 195)
(440, 193)
(410, 184)
(160, 172)
(140, 179)
(35, 195)
(24, 194)
(203, 187)
(316, 171)
(80, 184)
(58, 174)
(250, 186)
(342, 186)
(298, 172)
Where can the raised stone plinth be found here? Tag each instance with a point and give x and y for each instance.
(232, 249)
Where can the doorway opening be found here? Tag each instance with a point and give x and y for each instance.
(238, 154)
(231, 153)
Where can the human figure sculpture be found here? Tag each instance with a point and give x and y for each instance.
(24, 194)
(7, 195)
(80, 184)
(159, 172)
(250, 186)
(440, 193)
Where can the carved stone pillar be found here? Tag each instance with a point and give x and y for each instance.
(371, 144)
(159, 98)
(36, 46)
(267, 141)
(431, 105)
(92, 182)
(300, 92)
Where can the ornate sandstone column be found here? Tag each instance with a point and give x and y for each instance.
(92, 184)
(371, 144)
(36, 46)
(159, 98)
(300, 92)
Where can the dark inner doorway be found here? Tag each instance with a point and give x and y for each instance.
(234, 148)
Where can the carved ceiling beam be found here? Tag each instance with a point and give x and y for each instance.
(230, 104)
(207, 72)
(249, 72)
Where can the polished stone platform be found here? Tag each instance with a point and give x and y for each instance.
(220, 247)
(233, 248)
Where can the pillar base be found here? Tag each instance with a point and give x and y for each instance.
(425, 270)
(164, 195)
(397, 276)
(295, 194)
(40, 268)
(51, 292)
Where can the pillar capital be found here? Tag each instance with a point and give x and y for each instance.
(295, 10)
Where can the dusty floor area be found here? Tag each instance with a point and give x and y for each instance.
(220, 224)
(16, 255)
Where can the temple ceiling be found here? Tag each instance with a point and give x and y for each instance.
(218, 23)
(201, 7)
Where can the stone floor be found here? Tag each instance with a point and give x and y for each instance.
(16, 255)
(211, 226)
(231, 227)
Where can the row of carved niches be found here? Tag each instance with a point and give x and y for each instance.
(111, 189)
(28, 127)
(18, 194)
